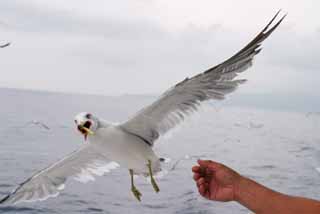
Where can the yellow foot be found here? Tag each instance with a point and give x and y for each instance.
(153, 181)
(136, 193)
(155, 185)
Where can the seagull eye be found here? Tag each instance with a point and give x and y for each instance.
(88, 116)
(75, 121)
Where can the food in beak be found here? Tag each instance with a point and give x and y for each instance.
(85, 128)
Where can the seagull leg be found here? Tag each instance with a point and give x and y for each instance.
(134, 190)
(153, 181)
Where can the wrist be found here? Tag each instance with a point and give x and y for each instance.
(239, 186)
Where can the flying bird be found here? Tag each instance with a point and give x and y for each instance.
(38, 123)
(5, 45)
(130, 144)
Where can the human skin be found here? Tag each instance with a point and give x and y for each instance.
(218, 182)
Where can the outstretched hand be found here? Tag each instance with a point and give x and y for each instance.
(216, 181)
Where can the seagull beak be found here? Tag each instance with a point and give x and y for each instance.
(83, 128)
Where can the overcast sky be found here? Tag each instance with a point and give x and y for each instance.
(146, 46)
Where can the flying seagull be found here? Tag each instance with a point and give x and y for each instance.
(5, 45)
(130, 144)
(37, 123)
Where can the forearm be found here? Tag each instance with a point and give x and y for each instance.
(263, 200)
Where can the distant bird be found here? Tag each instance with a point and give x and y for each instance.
(38, 123)
(130, 143)
(309, 114)
(5, 45)
(253, 125)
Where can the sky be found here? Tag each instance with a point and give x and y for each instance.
(146, 46)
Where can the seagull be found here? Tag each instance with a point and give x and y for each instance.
(38, 123)
(130, 144)
(5, 45)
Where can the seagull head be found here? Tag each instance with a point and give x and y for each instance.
(86, 123)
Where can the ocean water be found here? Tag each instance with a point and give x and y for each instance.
(276, 148)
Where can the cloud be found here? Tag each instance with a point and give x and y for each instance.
(29, 17)
(130, 50)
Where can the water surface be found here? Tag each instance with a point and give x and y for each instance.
(276, 148)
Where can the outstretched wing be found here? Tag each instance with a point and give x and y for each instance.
(82, 165)
(5, 45)
(185, 97)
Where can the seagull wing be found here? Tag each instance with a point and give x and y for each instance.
(5, 45)
(44, 126)
(185, 97)
(82, 165)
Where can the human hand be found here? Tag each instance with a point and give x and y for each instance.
(216, 181)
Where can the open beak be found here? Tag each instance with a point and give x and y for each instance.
(85, 129)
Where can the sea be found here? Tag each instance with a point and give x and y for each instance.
(277, 146)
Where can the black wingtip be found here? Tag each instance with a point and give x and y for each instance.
(270, 22)
(4, 199)
(5, 45)
(275, 26)
(284, 16)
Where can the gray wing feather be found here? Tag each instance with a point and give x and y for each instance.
(82, 165)
(5, 45)
(185, 97)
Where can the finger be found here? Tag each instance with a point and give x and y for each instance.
(207, 193)
(201, 181)
(202, 190)
(206, 190)
(196, 176)
(209, 174)
(196, 169)
(209, 164)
